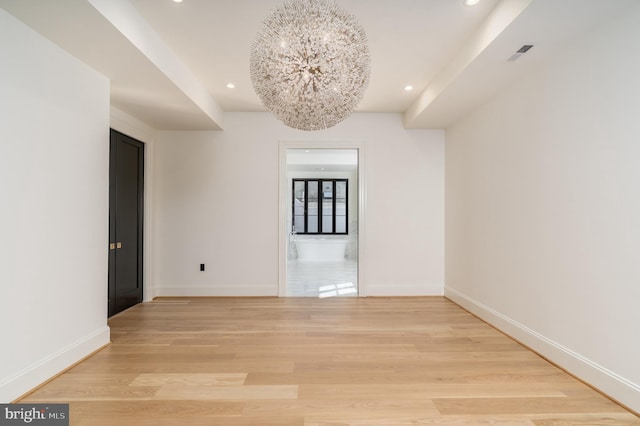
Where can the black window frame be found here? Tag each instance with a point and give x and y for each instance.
(321, 198)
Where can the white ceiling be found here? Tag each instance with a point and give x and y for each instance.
(169, 63)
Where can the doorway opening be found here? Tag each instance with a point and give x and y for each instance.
(321, 204)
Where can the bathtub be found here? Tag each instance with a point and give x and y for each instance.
(321, 250)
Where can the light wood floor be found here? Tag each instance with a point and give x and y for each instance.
(303, 361)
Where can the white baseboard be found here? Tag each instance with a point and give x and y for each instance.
(217, 291)
(391, 290)
(32, 376)
(608, 382)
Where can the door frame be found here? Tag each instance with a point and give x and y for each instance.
(284, 195)
(113, 134)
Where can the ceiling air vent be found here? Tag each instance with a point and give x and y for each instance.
(524, 49)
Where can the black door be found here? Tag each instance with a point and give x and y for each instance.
(126, 189)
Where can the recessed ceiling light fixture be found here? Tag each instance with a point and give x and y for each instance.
(470, 2)
(408, 88)
(177, 1)
(231, 86)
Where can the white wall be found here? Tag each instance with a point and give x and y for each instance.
(543, 209)
(54, 209)
(216, 202)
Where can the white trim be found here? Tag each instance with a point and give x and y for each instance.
(617, 387)
(39, 372)
(130, 126)
(283, 195)
(217, 291)
(396, 289)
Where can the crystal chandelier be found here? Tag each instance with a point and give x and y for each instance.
(310, 64)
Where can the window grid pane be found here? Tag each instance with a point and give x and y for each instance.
(299, 206)
(320, 206)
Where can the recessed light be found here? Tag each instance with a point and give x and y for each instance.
(231, 86)
(177, 1)
(470, 2)
(408, 88)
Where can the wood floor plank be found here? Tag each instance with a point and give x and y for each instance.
(429, 391)
(441, 357)
(594, 405)
(356, 409)
(92, 393)
(335, 420)
(302, 351)
(153, 413)
(224, 393)
(273, 366)
(303, 362)
(201, 379)
(621, 419)
(406, 377)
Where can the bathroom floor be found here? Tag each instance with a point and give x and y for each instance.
(322, 279)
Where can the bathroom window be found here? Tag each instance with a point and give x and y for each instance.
(320, 206)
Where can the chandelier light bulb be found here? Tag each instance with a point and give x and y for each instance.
(310, 64)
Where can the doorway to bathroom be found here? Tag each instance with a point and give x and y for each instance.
(320, 220)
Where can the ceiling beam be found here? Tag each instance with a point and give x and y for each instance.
(126, 19)
(417, 115)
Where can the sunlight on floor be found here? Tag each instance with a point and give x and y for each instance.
(322, 279)
(334, 290)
